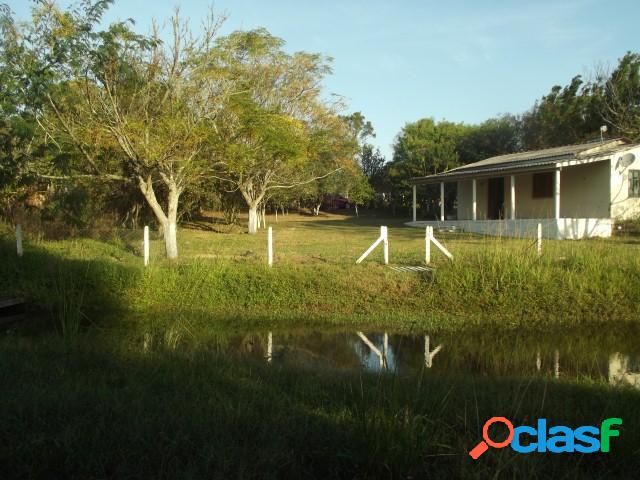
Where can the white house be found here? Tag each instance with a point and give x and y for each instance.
(576, 191)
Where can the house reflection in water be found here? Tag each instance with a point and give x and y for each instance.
(623, 370)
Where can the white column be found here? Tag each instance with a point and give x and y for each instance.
(556, 193)
(442, 201)
(513, 197)
(414, 203)
(474, 205)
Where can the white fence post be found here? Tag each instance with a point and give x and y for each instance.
(385, 245)
(427, 245)
(270, 246)
(539, 239)
(381, 238)
(19, 240)
(146, 245)
(435, 241)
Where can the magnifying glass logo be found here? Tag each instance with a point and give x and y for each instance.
(483, 446)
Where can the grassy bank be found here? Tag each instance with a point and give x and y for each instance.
(140, 386)
(222, 280)
(97, 410)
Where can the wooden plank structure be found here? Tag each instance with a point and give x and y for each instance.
(410, 268)
(11, 309)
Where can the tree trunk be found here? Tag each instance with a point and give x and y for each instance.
(356, 206)
(253, 218)
(171, 230)
(168, 223)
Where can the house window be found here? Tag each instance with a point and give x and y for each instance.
(543, 185)
(634, 183)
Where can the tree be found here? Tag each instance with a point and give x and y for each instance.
(134, 108)
(276, 132)
(371, 161)
(564, 116)
(495, 136)
(620, 92)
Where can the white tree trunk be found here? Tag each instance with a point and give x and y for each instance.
(171, 229)
(356, 206)
(253, 219)
(168, 223)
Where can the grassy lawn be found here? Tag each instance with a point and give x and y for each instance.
(95, 402)
(222, 278)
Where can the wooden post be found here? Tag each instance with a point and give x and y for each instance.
(276, 209)
(385, 244)
(513, 197)
(428, 354)
(19, 240)
(414, 204)
(474, 205)
(270, 247)
(539, 239)
(442, 201)
(427, 245)
(146, 245)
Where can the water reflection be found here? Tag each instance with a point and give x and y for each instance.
(573, 355)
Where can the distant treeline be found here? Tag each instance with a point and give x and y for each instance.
(566, 115)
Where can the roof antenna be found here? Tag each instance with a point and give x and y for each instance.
(603, 129)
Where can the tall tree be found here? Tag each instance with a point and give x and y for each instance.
(276, 132)
(564, 116)
(135, 108)
(620, 92)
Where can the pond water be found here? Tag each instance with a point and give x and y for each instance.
(602, 355)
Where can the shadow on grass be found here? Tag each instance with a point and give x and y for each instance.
(63, 289)
(99, 411)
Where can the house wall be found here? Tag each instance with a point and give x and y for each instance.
(584, 193)
(622, 206)
(585, 190)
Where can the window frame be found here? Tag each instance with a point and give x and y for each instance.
(634, 181)
(542, 185)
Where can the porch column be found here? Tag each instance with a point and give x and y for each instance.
(474, 203)
(442, 201)
(414, 203)
(556, 193)
(512, 197)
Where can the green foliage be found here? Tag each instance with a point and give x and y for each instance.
(620, 91)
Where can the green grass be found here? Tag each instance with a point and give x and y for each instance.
(113, 410)
(121, 371)
(222, 279)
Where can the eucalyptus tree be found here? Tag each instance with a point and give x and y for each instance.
(136, 109)
(276, 131)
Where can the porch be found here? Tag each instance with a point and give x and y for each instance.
(569, 201)
(557, 228)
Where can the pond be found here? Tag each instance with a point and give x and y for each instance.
(581, 354)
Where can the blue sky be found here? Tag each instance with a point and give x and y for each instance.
(399, 61)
